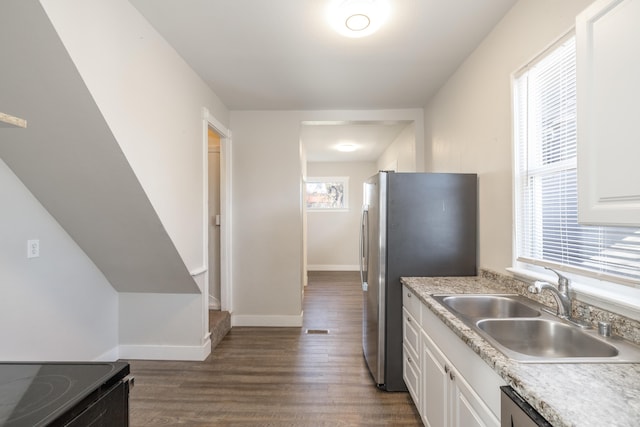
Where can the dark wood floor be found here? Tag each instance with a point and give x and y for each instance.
(277, 376)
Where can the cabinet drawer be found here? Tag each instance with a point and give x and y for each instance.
(411, 302)
(411, 374)
(410, 332)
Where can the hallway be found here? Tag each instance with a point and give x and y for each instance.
(277, 376)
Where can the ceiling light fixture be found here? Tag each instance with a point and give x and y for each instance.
(346, 147)
(357, 18)
(357, 22)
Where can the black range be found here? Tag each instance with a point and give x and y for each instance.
(64, 394)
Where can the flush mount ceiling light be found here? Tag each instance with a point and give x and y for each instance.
(358, 22)
(357, 18)
(346, 147)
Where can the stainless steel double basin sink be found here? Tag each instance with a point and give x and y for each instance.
(523, 331)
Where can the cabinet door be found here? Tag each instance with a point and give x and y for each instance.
(435, 386)
(467, 407)
(608, 67)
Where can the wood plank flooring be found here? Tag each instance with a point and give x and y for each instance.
(277, 376)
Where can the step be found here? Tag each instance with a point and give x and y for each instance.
(219, 326)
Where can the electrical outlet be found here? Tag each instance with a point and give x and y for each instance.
(33, 248)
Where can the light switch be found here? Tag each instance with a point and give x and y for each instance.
(33, 248)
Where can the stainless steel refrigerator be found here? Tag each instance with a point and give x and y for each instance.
(413, 224)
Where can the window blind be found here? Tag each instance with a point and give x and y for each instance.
(547, 229)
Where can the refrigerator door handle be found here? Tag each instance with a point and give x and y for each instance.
(364, 245)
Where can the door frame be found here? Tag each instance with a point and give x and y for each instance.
(226, 292)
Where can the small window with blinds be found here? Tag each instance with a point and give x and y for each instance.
(546, 193)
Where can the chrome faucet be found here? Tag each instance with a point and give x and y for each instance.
(560, 294)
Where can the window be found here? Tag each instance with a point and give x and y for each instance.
(547, 229)
(327, 193)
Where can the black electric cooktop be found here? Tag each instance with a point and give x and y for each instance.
(35, 394)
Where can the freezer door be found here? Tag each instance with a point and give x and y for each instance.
(373, 325)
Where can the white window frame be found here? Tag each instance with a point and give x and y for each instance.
(344, 180)
(617, 297)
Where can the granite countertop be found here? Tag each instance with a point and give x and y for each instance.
(577, 395)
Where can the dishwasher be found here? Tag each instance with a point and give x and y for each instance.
(515, 412)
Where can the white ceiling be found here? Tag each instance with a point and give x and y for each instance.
(283, 55)
(371, 138)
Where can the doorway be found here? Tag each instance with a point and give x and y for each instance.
(331, 236)
(217, 217)
(214, 219)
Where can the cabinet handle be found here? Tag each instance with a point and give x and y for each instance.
(451, 376)
(408, 294)
(409, 359)
(446, 369)
(408, 319)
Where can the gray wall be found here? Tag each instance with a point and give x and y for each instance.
(267, 219)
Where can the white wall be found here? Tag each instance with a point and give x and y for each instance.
(401, 153)
(162, 326)
(58, 306)
(333, 236)
(468, 123)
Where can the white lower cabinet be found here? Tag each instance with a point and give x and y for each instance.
(448, 399)
(455, 387)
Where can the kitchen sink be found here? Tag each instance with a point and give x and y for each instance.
(488, 306)
(524, 331)
(545, 338)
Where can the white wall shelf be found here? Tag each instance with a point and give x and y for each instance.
(10, 121)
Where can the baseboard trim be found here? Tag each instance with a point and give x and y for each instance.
(266, 320)
(332, 267)
(166, 352)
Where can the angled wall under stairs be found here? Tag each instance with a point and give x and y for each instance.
(114, 152)
(71, 162)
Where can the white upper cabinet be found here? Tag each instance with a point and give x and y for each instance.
(608, 78)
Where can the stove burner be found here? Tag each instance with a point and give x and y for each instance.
(35, 394)
(39, 392)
